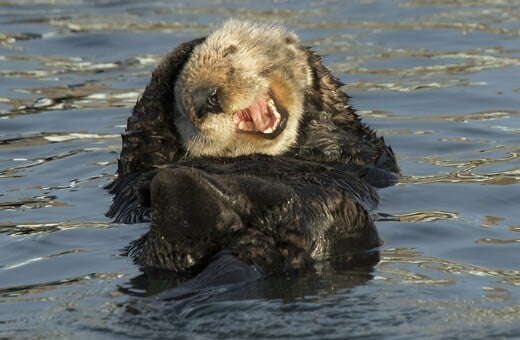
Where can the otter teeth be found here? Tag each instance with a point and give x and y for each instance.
(261, 117)
(276, 114)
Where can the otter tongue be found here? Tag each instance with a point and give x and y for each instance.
(260, 115)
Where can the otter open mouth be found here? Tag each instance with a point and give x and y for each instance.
(266, 117)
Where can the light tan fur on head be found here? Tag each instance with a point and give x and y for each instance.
(244, 65)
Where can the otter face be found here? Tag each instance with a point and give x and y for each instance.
(242, 91)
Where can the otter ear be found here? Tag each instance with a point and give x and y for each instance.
(150, 138)
(160, 89)
(165, 74)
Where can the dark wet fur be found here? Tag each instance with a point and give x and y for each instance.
(267, 211)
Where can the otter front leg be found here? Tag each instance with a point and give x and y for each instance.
(195, 214)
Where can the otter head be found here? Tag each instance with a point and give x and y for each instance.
(242, 91)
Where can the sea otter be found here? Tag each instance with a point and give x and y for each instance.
(244, 143)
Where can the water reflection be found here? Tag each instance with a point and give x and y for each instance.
(33, 293)
(18, 171)
(426, 216)
(32, 203)
(183, 298)
(36, 228)
(415, 274)
(79, 96)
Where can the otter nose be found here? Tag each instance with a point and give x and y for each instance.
(205, 100)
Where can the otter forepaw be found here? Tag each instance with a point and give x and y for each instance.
(187, 205)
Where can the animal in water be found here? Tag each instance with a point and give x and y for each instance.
(244, 144)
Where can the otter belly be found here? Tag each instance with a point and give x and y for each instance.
(277, 214)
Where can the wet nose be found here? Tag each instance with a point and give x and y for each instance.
(206, 100)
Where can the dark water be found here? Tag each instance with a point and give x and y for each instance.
(439, 79)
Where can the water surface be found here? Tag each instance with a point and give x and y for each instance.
(439, 79)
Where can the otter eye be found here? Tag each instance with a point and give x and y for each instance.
(229, 50)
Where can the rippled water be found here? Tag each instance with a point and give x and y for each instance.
(439, 79)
